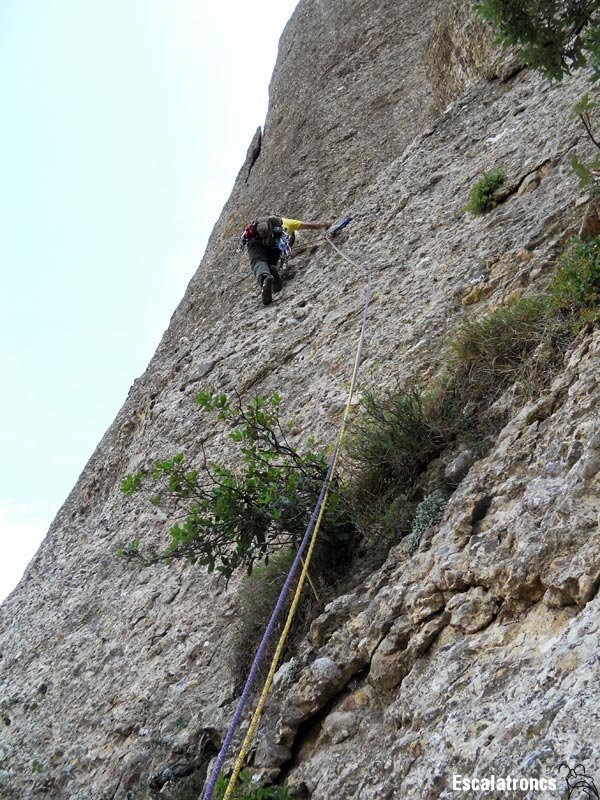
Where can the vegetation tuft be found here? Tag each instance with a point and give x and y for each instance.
(494, 361)
(396, 437)
(260, 591)
(483, 196)
(428, 513)
(575, 289)
(392, 442)
(246, 789)
(491, 353)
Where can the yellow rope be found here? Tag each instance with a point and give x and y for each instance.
(312, 585)
(282, 639)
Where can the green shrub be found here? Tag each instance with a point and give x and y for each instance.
(259, 592)
(392, 444)
(382, 522)
(397, 516)
(394, 439)
(247, 790)
(235, 517)
(586, 111)
(398, 436)
(482, 197)
(576, 284)
(500, 338)
(491, 352)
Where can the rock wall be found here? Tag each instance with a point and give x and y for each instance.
(460, 48)
(477, 654)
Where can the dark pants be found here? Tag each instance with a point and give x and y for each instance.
(263, 259)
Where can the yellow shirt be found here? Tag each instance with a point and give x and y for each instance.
(290, 225)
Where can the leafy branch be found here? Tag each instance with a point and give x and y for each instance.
(585, 109)
(224, 518)
(555, 36)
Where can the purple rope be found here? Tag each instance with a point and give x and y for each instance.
(237, 716)
(265, 640)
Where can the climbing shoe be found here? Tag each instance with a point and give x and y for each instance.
(267, 290)
(277, 282)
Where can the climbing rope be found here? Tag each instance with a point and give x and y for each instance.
(308, 541)
(315, 243)
(263, 646)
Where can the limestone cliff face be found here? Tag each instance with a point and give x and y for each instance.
(478, 654)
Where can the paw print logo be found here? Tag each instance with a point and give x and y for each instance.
(581, 785)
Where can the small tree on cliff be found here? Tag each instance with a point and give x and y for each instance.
(555, 36)
(226, 518)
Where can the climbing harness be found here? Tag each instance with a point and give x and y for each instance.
(283, 243)
(307, 544)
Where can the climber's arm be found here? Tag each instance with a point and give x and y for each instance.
(293, 225)
(313, 226)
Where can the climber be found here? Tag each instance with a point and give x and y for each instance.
(269, 239)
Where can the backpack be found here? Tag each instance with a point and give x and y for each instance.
(268, 230)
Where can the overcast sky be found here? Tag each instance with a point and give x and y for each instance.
(124, 124)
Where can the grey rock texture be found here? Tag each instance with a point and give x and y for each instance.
(457, 469)
(478, 654)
